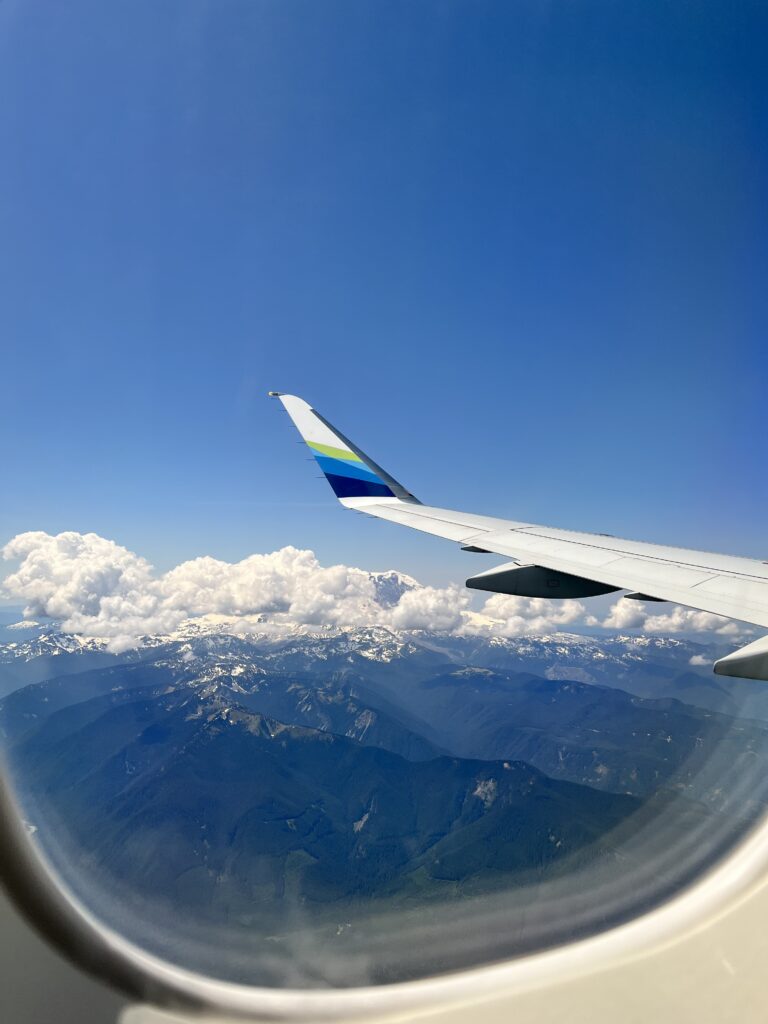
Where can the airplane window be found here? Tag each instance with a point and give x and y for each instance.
(251, 730)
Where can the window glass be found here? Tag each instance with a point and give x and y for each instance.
(514, 250)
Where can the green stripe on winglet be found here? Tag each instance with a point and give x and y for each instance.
(334, 453)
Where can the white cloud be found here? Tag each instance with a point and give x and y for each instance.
(94, 586)
(664, 619)
(288, 582)
(699, 659)
(685, 620)
(623, 615)
(431, 608)
(522, 616)
(97, 588)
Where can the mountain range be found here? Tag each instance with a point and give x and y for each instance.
(250, 781)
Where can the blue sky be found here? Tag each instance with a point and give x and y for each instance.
(518, 252)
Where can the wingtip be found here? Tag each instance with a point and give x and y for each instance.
(275, 394)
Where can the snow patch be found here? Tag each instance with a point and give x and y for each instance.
(485, 790)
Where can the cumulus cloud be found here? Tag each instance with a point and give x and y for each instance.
(97, 588)
(523, 616)
(92, 585)
(289, 582)
(664, 619)
(699, 659)
(431, 608)
(622, 615)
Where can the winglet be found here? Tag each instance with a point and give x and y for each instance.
(350, 472)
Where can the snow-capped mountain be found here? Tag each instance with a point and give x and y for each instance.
(559, 655)
(391, 585)
(644, 665)
(46, 641)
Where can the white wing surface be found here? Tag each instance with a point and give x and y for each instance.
(549, 562)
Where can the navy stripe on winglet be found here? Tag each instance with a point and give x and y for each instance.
(349, 487)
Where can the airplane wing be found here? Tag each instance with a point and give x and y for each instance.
(549, 562)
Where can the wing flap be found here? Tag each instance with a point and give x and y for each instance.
(655, 572)
(534, 544)
(735, 588)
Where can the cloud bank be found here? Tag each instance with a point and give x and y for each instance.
(96, 588)
(664, 618)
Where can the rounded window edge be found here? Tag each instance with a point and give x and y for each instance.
(104, 954)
